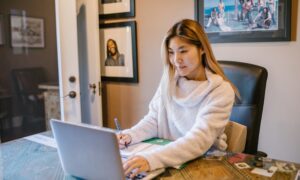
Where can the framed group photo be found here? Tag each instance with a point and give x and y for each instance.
(245, 20)
(109, 9)
(27, 32)
(118, 49)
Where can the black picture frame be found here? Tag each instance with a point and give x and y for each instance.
(113, 9)
(125, 69)
(278, 31)
(2, 36)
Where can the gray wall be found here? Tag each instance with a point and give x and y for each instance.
(20, 58)
(281, 117)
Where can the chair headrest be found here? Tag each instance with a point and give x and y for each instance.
(248, 78)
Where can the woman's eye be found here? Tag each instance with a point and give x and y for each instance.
(183, 51)
(171, 52)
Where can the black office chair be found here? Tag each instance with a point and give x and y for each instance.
(251, 82)
(30, 97)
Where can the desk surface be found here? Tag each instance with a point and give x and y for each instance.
(25, 159)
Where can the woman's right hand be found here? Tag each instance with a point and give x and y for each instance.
(124, 140)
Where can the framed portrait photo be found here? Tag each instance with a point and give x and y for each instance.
(27, 32)
(118, 47)
(109, 9)
(245, 20)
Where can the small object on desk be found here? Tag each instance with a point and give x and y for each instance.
(270, 170)
(216, 152)
(239, 157)
(285, 167)
(263, 172)
(242, 165)
(258, 161)
(258, 158)
(218, 158)
(265, 159)
(258, 164)
(261, 154)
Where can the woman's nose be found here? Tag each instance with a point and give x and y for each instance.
(177, 58)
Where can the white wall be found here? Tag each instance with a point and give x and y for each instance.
(279, 132)
(281, 116)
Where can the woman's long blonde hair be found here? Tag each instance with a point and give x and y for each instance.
(193, 33)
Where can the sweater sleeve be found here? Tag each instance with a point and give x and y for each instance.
(147, 127)
(210, 123)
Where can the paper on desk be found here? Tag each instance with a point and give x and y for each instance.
(133, 149)
(45, 140)
(265, 172)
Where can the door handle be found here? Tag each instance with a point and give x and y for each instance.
(72, 79)
(93, 86)
(72, 94)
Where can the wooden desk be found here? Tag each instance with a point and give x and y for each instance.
(25, 159)
(221, 169)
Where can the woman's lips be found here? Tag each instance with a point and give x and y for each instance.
(181, 67)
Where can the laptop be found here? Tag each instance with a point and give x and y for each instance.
(90, 152)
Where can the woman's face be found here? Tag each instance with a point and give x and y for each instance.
(185, 58)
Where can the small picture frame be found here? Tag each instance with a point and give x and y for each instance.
(245, 20)
(118, 47)
(111, 9)
(2, 37)
(27, 32)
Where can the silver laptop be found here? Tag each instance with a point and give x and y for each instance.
(90, 152)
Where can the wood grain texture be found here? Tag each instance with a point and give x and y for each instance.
(294, 20)
(221, 169)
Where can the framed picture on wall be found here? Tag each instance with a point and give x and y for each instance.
(245, 20)
(118, 47)
(2, 37)
(27, 32)
(109, 9)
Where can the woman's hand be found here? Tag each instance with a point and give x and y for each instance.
(135, 165)
(124, 140)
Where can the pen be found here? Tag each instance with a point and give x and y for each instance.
(117, 125)
(119, 130)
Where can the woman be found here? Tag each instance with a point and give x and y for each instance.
(191, 106)
(221, 23)
(247, 9)
(221, 7)
(212, 18)
(263, 19)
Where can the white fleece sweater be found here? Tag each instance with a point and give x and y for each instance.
(194, 119)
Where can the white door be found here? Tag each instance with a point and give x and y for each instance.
(77, 27)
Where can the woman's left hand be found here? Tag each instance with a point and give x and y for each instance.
(135, 165)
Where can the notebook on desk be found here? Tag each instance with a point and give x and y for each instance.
(90, 152)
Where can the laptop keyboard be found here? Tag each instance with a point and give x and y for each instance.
(138, 176)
